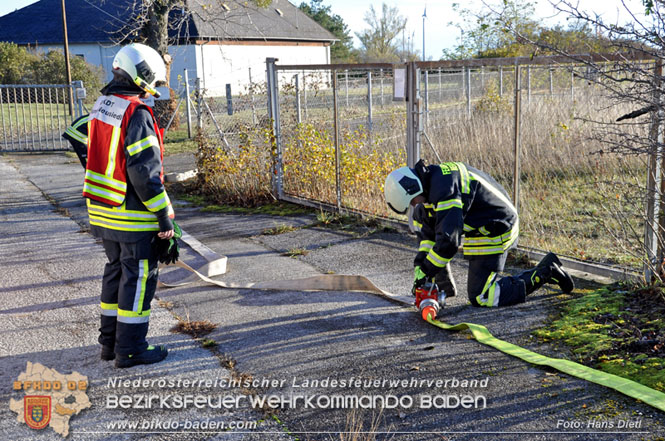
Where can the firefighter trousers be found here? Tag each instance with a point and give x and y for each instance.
(129, 283)
(484, 286)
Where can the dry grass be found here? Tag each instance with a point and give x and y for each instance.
(295, 252)
(195, 328)
(573, 199)
(356, 430)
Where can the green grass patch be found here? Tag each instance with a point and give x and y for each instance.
(617, 329)
(209, 343)
(279, 229)
(295, 252)
(272, 209)
(358, 225)
(176, 141)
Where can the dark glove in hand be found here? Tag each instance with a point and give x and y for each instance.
(419, 279)
(168, 250)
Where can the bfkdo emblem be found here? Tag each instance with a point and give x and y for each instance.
(37, 411)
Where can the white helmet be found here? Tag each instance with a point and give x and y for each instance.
(142, 65)
(402, 185)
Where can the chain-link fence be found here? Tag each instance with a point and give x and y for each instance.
(234, 154)
(341, 133)
(33, 117)
(332, 133)
(567, 193)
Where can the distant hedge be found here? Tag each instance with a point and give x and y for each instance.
(19, 65)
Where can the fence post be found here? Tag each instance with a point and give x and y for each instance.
(654, 251)
(273, 114)
(463, 82)
(338, 183)
(369, 101)
(517, 135)
(381, 84)
(440, 91)
(468, 92)
(500, 80)
(79, 95)
(426, 114)
(528, 83)
(572, 83)
(251, 97)
(199, 104)
(304, 93)
(413, 122)
(346, 82)
(189, 105)
(551, 82)
(298, 116)
(229, 100)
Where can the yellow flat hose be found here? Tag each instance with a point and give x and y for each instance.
(339, 282)
(628, 387)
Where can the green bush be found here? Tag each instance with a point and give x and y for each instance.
(50, 69)
(16, 64)
(21, 66)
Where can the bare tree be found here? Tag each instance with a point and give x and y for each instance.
(379, 42)
(158, 23)
(631, 76)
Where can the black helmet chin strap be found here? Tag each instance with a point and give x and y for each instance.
(398, 212)
(421, 171)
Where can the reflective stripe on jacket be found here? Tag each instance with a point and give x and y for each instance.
(124, 177)
(463, 204)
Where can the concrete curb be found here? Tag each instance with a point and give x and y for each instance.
(181, 176)
(216, 264)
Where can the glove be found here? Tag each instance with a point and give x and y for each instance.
(419, 279)
(168, 250)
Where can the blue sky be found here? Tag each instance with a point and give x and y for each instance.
(438, 34)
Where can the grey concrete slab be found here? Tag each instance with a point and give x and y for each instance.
(294, 337)
(49, 297)
(207, 226)
(305, 239)
(179, 163)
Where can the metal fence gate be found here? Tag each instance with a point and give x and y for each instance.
(338, 130)
(33, 117)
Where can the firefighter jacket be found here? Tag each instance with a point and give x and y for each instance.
(124, 178)
(461, 201)
(77, 135)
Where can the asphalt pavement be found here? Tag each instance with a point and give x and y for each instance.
(316, 346)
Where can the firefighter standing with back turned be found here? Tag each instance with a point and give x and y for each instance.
(452, 200)
(127, 203)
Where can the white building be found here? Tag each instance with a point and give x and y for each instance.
(221, 42)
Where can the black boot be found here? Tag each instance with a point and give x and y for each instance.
(548, 271)
(107, 353)
(534, 278)
(445, 281)
(154, 354)
(558, 274)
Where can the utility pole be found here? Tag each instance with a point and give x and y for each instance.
(67, 67)
(424, 17)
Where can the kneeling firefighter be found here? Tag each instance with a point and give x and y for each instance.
(452, 200)
(127, 203)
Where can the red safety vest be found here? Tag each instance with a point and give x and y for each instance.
(106, 174)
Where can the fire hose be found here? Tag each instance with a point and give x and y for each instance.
(429, 301)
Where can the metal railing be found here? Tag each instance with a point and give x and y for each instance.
(33, 117)
(338, 131)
